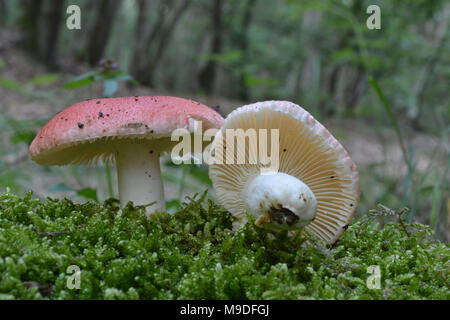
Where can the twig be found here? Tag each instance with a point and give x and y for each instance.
(44, 290)
(52, 234)
(401, 220)
(383, 211)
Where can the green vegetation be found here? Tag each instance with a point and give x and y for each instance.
(382, 93)
(194, 254)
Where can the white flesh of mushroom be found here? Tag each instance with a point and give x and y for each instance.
(139, 175)
(280, 200)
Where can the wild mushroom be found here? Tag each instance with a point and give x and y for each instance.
(132, 130)
(316, 185)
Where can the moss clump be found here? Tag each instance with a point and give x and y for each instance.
(193, 254)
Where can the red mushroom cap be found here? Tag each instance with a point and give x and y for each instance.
(87, 131)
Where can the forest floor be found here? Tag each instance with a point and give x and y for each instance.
(374, 149)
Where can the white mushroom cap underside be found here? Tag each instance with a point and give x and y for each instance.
(307, 151)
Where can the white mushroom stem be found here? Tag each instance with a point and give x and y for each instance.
(274, 199)
(139, 175)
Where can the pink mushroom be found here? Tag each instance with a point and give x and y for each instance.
(133, 131)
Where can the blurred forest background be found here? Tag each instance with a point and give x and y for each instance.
(383, 93)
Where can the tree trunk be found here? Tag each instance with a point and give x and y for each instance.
(3, 10)
(142, 47)
(242, 42)
(52, 14)
(355, 89)
(42, 20)
(146, 59)
(441, 32)
(29, 22)
(207, 75)
(99, 35)
(139, 31)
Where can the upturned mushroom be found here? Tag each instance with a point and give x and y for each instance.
(133, 131)
(315, 185)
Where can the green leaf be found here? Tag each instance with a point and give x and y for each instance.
(80, 81)
(44, 79)
(200, 174)
(26, 136)
(88, 193)
(344, 55)
(12, 85)
(259, 81)
(172, 204)
(225, 58)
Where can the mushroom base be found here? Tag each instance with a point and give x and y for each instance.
(280, 201)
(139, 175)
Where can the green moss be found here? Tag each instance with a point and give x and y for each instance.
(193, 254)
